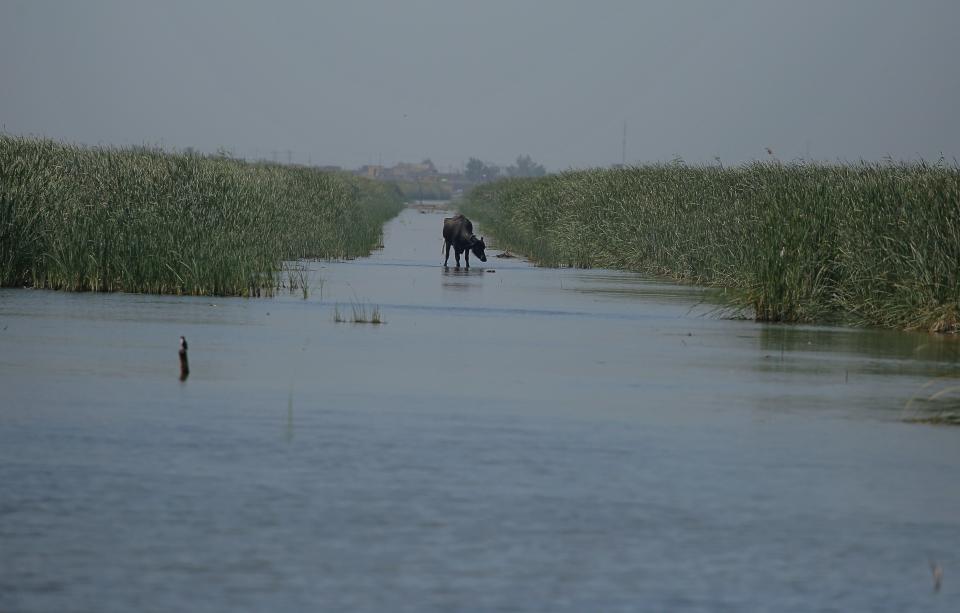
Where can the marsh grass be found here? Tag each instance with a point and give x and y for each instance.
(940, 419)
(935, 402)
(866, 244)
(295, 276)
(140, 220)
(360, 313)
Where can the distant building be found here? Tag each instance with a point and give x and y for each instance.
(405, 171)
(371, 171)
(418, 179)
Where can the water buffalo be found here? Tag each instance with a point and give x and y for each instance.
(458, 231)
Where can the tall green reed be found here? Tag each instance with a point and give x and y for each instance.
(868, 244)
(140, 220)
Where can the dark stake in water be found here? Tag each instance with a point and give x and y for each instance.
(530, 440)
(184, 363)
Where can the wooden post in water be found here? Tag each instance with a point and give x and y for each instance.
(937, 571)
(184, 366)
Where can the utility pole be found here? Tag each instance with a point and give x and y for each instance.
(623, 151)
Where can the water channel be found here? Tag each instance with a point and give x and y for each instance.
(511, 438)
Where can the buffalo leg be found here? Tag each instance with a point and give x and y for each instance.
(446, 248)
(466, 258)
(456, 256)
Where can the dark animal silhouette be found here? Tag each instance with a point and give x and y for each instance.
(458, 231)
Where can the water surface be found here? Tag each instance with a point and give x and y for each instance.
(513, 438)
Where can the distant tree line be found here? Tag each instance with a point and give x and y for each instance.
(479, 171)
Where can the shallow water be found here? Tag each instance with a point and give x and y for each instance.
(512, 438)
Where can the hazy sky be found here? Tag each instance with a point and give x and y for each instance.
(354, 82)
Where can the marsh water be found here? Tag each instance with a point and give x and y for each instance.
(511, 438)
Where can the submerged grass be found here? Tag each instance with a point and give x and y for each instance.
(360, 315)
(867, 244)
(935, 402)
(140, 220)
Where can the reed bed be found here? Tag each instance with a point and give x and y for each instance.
(866, 244)
(140, 220)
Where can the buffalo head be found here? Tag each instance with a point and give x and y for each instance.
(477, 246)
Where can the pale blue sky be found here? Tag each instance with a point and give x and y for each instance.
(354, 82)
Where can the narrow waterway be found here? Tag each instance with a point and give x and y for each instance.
(511, 438)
